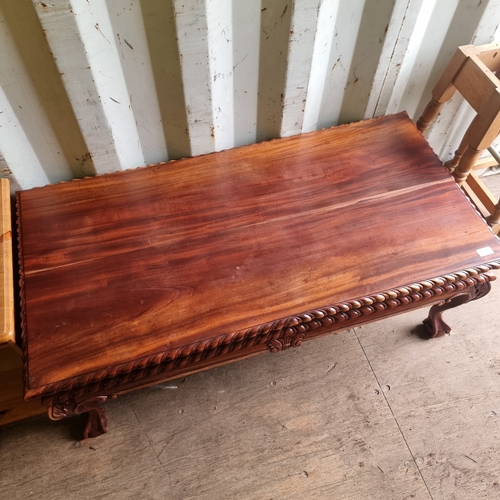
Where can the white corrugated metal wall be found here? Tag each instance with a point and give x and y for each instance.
(93, 86)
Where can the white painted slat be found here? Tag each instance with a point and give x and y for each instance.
(488, 29)
(81, 39)
(327, 18)
(373, 28)
(275, 28)
(102, 53)
(27, 140)
(128, 31)
(220, 58)
(396, 47)
(416, 76)
(158, 17)
(192, 33)
(399, 90)
(105, 85)
(246, 48)
(18, 160)
(345, 34)
(300, 50)
(431, 40)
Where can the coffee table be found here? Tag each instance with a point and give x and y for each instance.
(136, 277)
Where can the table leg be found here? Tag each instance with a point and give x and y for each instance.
(96, 423)
(435, 324)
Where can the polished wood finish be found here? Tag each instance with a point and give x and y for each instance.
(135, 277)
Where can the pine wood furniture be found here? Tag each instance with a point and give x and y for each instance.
(7, 334)
(472, 72)
(12, 406)
(140, 276)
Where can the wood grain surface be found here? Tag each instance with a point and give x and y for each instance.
(131, 264)
(6, 273)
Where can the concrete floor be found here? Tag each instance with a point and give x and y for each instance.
(370, 413)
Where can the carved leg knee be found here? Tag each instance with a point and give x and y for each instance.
(435, 324)
(96, 423)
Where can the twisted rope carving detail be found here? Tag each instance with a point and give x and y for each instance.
(22, 297)
(297, 325)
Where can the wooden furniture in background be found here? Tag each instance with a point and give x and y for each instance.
(141, 276)
(477, 190)
(12, 406)
(471, 72)
(7, 333)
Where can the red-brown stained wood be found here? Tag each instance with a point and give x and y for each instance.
(129, 265)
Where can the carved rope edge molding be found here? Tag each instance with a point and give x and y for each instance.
(294, 326)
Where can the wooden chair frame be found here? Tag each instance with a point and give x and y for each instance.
(471, 72)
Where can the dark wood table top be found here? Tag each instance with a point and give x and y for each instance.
(126, 265)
